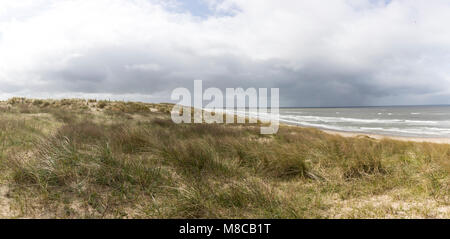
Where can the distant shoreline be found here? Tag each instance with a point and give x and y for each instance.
(380, 136)
(401, 138)
(361, 106)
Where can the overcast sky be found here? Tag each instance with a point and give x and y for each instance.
(319, 53)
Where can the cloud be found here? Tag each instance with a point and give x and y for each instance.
(345, 53)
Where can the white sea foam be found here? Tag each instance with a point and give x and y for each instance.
(357, 120)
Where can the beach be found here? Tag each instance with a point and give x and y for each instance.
(405, 123)
(437, 140)
(377, 136)
(114, 159)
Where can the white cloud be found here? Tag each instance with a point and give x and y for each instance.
(144, 67)
(374, 52)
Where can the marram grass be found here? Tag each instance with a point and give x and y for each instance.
(102, 159)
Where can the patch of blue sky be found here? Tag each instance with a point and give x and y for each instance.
(200, 8)
(383, 2)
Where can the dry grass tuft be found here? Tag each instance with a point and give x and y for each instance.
(94, 159)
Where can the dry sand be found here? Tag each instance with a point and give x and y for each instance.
(376, 136)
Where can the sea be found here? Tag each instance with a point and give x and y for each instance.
(409, 121)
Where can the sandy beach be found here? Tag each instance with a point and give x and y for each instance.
(378, 136)
(375, 136)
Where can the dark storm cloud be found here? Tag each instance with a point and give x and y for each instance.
(124, 71)
(353, 53)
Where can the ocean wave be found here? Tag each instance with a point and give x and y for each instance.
(425, 131)
(328, 119)
(398, 127)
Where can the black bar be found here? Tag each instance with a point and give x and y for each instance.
(204, 228)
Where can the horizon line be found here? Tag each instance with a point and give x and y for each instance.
(363, 106)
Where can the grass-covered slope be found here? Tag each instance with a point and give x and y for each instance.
(97, 159)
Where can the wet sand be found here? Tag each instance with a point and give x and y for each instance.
(376, 136)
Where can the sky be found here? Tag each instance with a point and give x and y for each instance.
(318, 53)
